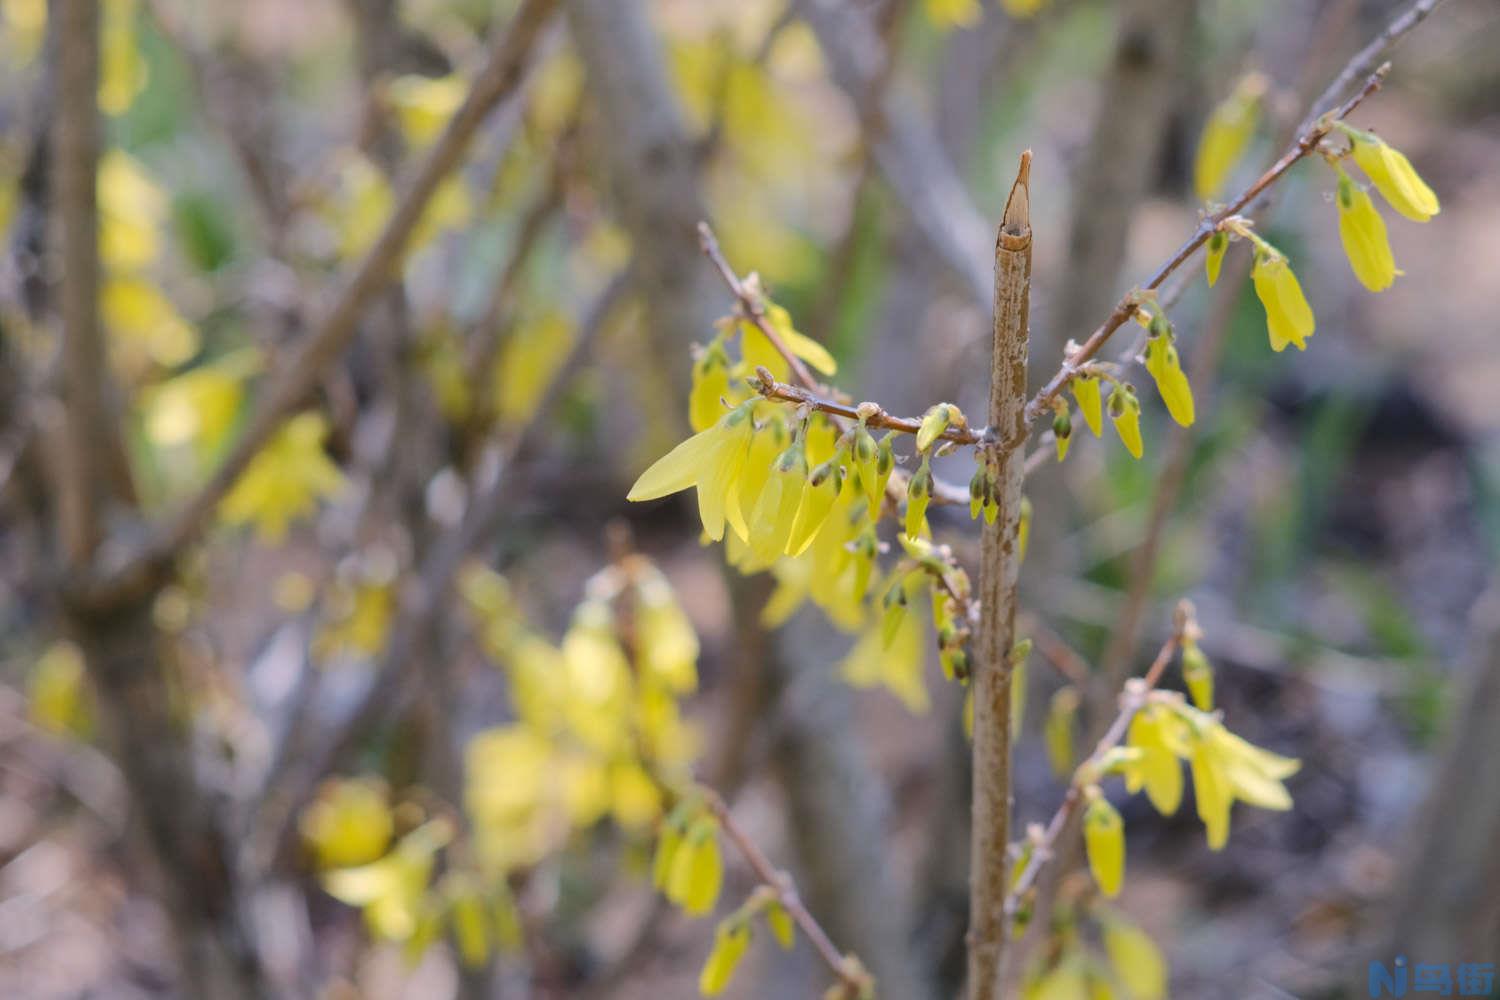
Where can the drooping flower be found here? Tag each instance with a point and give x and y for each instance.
(1393, 175)
(1166, 368)
(1362, 231)
(710, 460)
(1289, 319)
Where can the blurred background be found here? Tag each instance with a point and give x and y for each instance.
(1333, 514)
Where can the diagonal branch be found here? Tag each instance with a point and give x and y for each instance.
(1128, 304)
(848, 969)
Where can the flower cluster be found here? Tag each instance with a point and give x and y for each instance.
(598, 733)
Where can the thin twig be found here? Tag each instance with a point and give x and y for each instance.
(1131, 700)
(1057, 652)
(751, 308)
(850, 972)
(500, 77)
(874, 414)
(1131, 301)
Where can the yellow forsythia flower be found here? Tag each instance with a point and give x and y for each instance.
(710, 388)
(349, 823)
(285, 481)
(1289, 319)
(666, 644)
(1125, 412)
(818, 498)
(937, 420)
(710, 460)
(197, 407)
(1086, 392)
(469, 917)
(123, 71)
(1393, 176)
(896, 665)
(1362, 231)
(58, 693)
(1137, 962)
(1157, 767)
(1199, 676)
(1227, 133)
(1058, 731)
(952, 13)
(391, 890)
(780, 922)
(1213, 257)
(424, 104)
(1166, 368)
(1104, 839)
(918, 496)
(731, 940)
(131, 210)
(697, 869)
(1068, 980)
(776, 508)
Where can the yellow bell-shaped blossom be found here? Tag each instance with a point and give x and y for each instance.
(710, 387)
(131, 210)
(776, 508)
(349, 823)
(59, 693)
(711, 461)
(1125, 413)
(1289, 319)
(1226, 135)
(895, 664)
(1393, 176)
(1362, 231)
(392, 890)
(818, 497)
(952, 13)
(1137, 962)
(1157, 767)
(666, 644)
(1198, 675)
(1062, 710)
(731, 940)
(1104, 840)
(758, 351)
(1086, 393)
(1213, 256)
(697, 868)
(424, 104)
(285, 481)
(123, 70)
(780, 922)
(918, 496)
(1166, 368)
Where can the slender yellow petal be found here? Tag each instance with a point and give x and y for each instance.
(1166, 368)
(1213, 257)
(731, 940)
(1289, 319)
(1125, 413)
(1086, 392)
(809, 350)
(1214, 795)
(1362, 231)
(1394, 177)
(1226, 135)
(1104, 839)
(1137, 961)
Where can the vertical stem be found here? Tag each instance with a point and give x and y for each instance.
(1000, 563)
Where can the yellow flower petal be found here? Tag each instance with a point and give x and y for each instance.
(1289, 319)
(1086, 392)
(1104, 839)
(1394, 177)
(1137, 961)
(1166, 368)
(1362, 231)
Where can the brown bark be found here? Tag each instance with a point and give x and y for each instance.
(999, 569)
